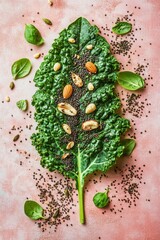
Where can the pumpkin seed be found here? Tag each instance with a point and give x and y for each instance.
(16, 138)
(12, 85)
(47, 21)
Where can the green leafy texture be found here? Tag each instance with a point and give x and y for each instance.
(130, 81)
(122, 28)
(32, 35)
(94, 150)
(21, 68)
(101, 199)
(22, 105)
(33, 210)
(47, 21)
(129, 145)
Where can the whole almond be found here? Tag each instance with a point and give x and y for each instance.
(89, 47)
(77, 80)
(90, 87)
(65, 155)
(57, 66)
(91, 67)
(90, 108)
(67, 91)
(67, 109)
(90, 125)
(66, 128)
(70, 145)
(71, 40)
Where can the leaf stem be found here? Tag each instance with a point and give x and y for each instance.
(107, 190)
(81, 204)
(80, 190)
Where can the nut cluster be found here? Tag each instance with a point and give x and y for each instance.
(67, 108)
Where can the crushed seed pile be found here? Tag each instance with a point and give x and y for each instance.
(135, 106)
(129, 185)
(56, 195)
(125, 189)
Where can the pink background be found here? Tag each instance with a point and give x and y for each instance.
(16, 183)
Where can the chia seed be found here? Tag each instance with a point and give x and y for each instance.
(52, 194)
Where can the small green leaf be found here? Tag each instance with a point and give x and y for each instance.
(130, 80)
(122, 28)
(22, 105)
(33, 210)
(129, 145)
(101, 199)
(21, 68)
(47, 21)
(32, 35)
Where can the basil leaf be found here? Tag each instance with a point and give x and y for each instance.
(122, 28)
(101, 199)
(130, 80)
(33, 210)
(21, 68)
(22, 105)
(32, 35)
(129, 145)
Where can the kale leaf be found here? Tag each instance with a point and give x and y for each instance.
(93, 150)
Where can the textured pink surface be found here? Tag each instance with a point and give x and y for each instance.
(140, 222)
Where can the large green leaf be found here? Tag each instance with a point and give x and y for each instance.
(93, 150)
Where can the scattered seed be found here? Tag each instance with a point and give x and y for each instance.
(12, 85)
(66, 192)
(16, 138)
(7, 99)
(37, 55)
(47, 21)
(56, 214)
(50, 2)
